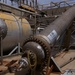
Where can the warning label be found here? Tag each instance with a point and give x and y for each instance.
(52, 36)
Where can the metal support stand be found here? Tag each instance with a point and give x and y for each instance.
(13, 51)
(17, 47)
(67, 37)
(55, 65)
(34, 32)
(1, 50)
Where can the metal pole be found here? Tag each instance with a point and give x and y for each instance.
(30, 4)
(33, 3)
(20, 2)
(3, 1)
(1, 50)
(6, 1)
(12, 2)
(18, 48)
(13, 51)
(27, 2)
(35, 24)
(36, 4)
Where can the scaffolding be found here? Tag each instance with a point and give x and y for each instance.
(52, 5)
(17, 3)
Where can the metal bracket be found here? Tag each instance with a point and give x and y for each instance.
(56, 67)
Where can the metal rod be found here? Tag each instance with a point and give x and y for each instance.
(13, 51)
(19, 48)
(67, 62)
(1, 50)
(35, 24)
(36, 3)
(27, 2)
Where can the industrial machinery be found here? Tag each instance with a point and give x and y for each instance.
(38, 47)
(36, 50)
(11, 30)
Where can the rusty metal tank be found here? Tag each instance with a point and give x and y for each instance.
(13, 29)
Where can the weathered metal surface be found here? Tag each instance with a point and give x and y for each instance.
(56, 28)
(18, 30)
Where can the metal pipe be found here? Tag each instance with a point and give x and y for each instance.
(36, 4)
(1, 50)
(51, 33)
(56, 28)
(27, 2)
(19, 48)
(13, 51)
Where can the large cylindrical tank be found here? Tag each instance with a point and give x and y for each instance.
(14, 30)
